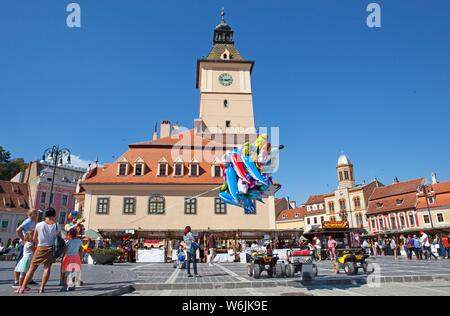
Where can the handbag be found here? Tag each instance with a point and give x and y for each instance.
(58, 246)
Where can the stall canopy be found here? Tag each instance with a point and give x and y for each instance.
(92, 234)
(221, 234)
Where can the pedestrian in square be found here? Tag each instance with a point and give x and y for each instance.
(191, 251)
(45, 235)
(211, 248)
(417, 248)
(71, 263)
(331, 245)
(25, 262)
(409, 247)
(28, 225)
(445, 246)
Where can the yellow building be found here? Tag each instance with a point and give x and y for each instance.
(292, 218)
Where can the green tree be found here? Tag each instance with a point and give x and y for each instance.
(9, 168)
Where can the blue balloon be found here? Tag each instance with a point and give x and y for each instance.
(252, 170)
(228, 199)
(232, 183)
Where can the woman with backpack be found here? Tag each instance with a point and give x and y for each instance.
(45, 234)
(191, 250)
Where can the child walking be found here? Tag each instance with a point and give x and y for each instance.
(24, 263)
(71, 265)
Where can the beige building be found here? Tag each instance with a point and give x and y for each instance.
(291, 218)
(173, 181)
(349, 202)
(14, 205)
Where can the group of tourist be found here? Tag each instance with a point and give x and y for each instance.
(421, 246)
(40, 244)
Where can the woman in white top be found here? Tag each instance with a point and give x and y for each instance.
(45, 235)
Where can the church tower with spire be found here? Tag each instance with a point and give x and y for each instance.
(224, 81)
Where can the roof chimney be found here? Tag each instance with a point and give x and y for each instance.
(395, 180)
(434, 179)
(165, 129)
(176, 128)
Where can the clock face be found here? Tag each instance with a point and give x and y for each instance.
(225, 79)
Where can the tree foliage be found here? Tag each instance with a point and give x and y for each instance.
(10, 167)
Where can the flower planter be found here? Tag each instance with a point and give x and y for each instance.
(103, 259)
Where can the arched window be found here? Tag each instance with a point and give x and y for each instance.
(156, 205)
(357, 202)
(331, 207)
(342, 204)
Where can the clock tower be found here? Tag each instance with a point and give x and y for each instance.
(224, 81)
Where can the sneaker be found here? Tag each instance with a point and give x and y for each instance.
(15, 285)
(190, 275)
(198, 276)
(32, 282)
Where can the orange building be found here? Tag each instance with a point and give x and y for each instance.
(433, 206)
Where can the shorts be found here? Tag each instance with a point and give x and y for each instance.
(43, 255)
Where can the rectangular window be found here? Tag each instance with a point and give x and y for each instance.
(178, 169)
(393, 224)
(440, 217)
(227, 123)
(138, 170)
(411, 220)
(190, 206)
(129, 205)
(102, 205)
(217, 171)
(162, 169)
(374, 224)
(219, 206)
(122, 169)
(43, 197)
(51, 199)
(381, 223)
(315, 220)
(64, 199)
(5, 224)
(431, 200)
(308, 221)
(194, 170)
(322, 219)
(346, 175)
(426, 219)
(402, 221)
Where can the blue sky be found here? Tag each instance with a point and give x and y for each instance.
(327, 80)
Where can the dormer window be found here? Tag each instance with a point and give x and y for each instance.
(284, 216)
(178, 168)
(379, 205)
(216, 170)
(193, 168)
(431, 200)
(297, 215)
(122, 169)
(139, 167)
(163, 167)
(399, 201)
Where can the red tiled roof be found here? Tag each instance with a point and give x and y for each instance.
(392, 203)
(188, 146)
(441, 196)
(290, 214)
(14, 196)
(315, 199)
(396, 189)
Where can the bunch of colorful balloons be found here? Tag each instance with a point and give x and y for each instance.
(245, 175)
(74, 221)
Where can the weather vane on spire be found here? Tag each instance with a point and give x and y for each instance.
(222, 14)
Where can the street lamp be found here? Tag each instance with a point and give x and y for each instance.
(423, 189)
(55, 155)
